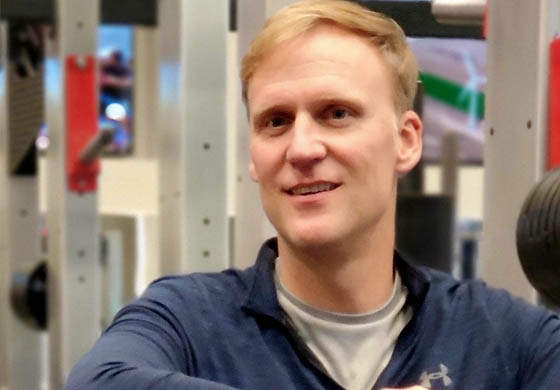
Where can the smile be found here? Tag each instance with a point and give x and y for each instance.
(312, 188)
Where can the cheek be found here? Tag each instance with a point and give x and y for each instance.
(375, 163)
(264, 161)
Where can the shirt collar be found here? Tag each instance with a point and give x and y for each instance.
(261, 298)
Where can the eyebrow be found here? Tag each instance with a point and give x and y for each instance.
(350, 99)
(269, 109)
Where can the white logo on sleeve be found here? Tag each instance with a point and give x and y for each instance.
(427, 379)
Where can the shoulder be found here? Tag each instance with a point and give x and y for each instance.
(478, 328)
(203, 288)
(475, 294)
(482, 306)
(228, 283)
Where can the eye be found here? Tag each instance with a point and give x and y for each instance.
(337, 115)
(276, 121)
(274, 124)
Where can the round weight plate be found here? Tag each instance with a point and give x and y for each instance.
(538, 236)
(29, 296)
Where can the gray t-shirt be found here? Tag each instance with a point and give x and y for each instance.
(353, 348)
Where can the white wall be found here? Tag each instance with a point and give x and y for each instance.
(127, 186)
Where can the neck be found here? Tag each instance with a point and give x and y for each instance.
(356, 278)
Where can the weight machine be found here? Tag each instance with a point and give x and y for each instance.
(70, 102)
(191, 139)
(73, 233)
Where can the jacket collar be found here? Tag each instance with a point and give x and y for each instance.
(261, 298)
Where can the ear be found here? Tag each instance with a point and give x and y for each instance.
(253, 171)
(409, 142)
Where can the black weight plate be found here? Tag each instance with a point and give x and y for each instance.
(538, 236)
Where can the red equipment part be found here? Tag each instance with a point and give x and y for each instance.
(554, 106)
(82, 121)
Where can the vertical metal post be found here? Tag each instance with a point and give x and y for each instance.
(74, 267)
(5, 269)
(449, 164)
(514, 156)
(21, 114)
(193, 149)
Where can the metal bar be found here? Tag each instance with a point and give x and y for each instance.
(19, 220)
(95, 147)
(5, 269)
(27, 10)
(460, 12)
(74, 265)
(417, 20)
(232, 15)
(514, 153)
(193, 122)
(140, 12)
(450, 164)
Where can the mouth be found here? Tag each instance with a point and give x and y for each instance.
(311, 189)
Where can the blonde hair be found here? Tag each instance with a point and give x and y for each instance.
(302, 16)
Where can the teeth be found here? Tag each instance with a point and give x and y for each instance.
(314, 189)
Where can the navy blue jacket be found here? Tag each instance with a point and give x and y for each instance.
(226, 330)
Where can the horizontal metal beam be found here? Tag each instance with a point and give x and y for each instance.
(142, 12)
(417, 20)
(137, 12)
(28, 10)
(459, 12)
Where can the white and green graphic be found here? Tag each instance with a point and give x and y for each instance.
(453, 72)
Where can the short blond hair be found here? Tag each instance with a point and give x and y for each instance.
(302, 16)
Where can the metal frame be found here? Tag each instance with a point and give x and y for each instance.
(141, 12)
(417, 20)
(518, 42)
(193, 207)
(22, 345)
(5, 269)
(74, 267)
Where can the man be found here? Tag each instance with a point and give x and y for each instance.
(329, 304)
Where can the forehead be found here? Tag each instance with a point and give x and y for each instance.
(327, 57)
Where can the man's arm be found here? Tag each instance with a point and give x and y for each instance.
(130, 360)
(145, 348)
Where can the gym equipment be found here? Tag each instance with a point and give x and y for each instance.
(29, 296)
(459, 12)
(192, 95)
(538, 236)
(21, 115)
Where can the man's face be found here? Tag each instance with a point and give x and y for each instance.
(326, 147)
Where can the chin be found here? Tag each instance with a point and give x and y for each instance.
(311, 237)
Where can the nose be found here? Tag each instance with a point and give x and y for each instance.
(306, 146)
